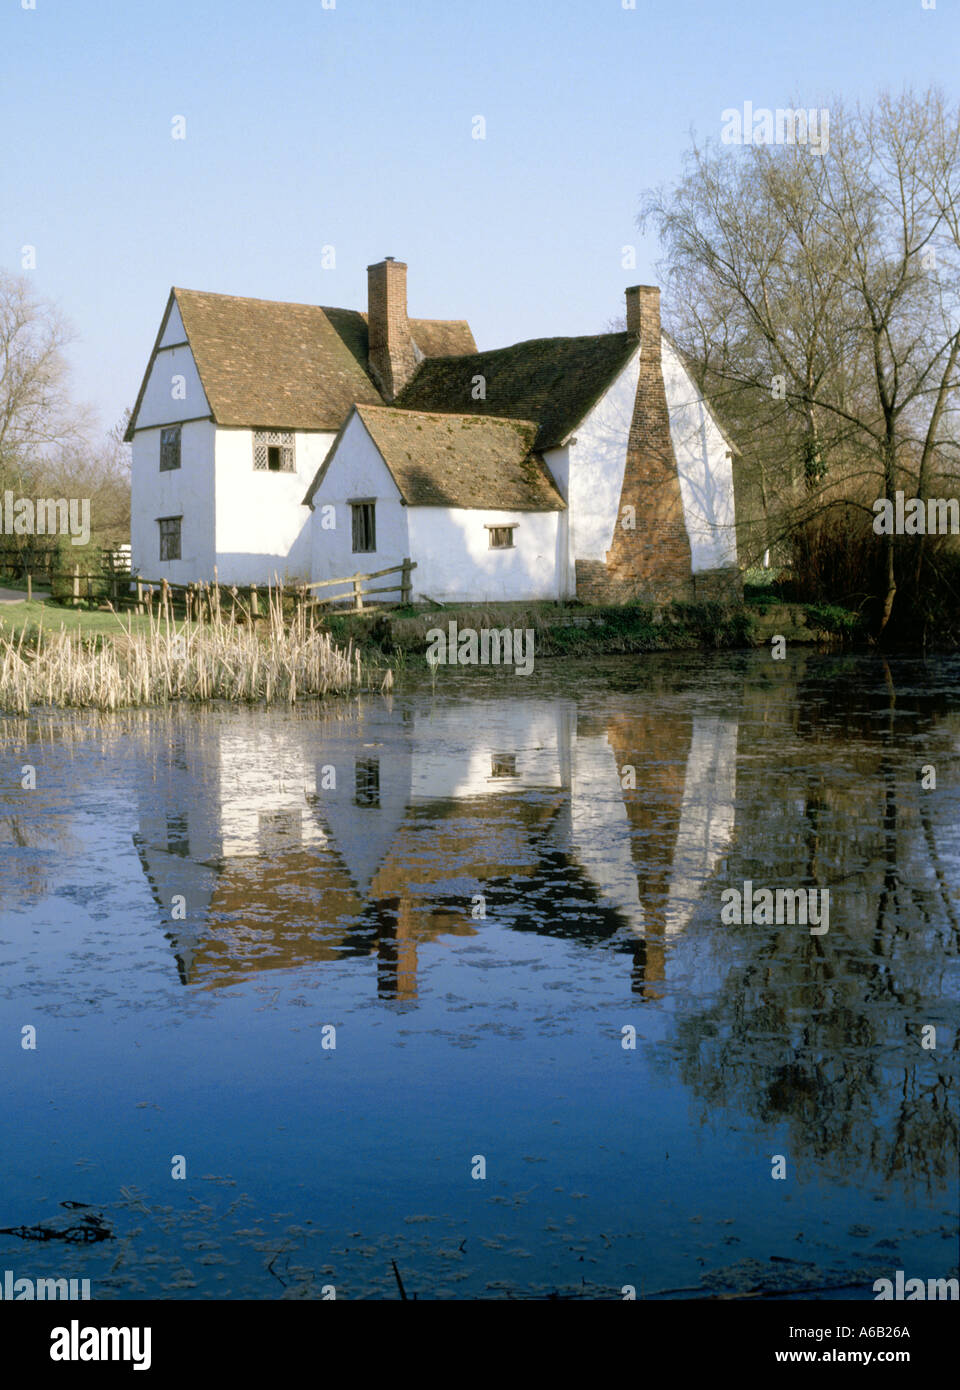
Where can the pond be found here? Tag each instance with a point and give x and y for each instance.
(435, 987)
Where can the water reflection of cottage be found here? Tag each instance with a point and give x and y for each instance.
(297, 841)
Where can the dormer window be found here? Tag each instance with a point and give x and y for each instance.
(273, 451)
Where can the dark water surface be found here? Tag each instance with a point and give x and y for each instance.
(190, 899)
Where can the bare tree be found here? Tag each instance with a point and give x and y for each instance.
(37, 415)
(819, 294)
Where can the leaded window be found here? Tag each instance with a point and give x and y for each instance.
(169, 448)
(169, 537)
(273, 451)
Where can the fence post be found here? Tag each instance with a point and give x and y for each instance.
(254, 606)
(29, 587)
(139, 595)
(357, 594)
(165, 597)
(76, 585)
(405, 583)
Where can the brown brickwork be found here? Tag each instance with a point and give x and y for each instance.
(392, 355)
(653, 561)
(724, 585)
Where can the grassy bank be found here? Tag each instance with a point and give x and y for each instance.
(400, 636)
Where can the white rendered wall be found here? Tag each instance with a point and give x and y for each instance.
(357, 470)
(456, 565)
(174, 331)
(262, 526)
(173, 391)
(186, 491)
(596, 466)
(706, 471)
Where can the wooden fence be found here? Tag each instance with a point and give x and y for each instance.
(111, 582)
(357, 592)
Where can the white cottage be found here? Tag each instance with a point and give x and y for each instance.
(316, 443)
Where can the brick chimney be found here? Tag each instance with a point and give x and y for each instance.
(392, 356)
(650, 556)
(643, 317)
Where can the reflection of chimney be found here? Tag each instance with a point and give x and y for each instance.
(392, 356)
(396, 949)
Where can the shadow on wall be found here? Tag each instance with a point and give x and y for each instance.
(706, 486)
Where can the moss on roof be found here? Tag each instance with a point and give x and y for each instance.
(554, 381)
(440, 460)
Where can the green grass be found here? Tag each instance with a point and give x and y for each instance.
(29, 617)
(830, 617)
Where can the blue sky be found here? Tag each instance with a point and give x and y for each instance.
(351, 127)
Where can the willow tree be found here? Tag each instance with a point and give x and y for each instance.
(816, 288)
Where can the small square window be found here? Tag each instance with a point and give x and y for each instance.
(274, 451)
(501, 537)
(169, 448)
(503, 765)
(169, 537)
(364, 526)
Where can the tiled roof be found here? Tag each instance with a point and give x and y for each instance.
(290, 366)
(446, 460)
(554, 381)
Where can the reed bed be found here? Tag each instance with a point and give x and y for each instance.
(228, 657)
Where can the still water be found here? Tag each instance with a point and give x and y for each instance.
(369, 975)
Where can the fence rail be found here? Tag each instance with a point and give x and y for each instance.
(357, 582)
(111, 581)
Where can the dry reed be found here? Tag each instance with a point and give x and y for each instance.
(229, 657)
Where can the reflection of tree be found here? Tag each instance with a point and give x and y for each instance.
(34, 824)
(822, 1035)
